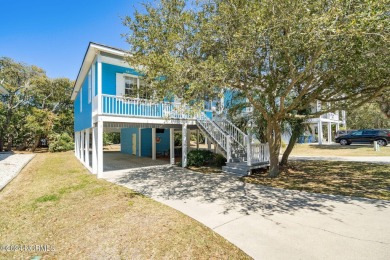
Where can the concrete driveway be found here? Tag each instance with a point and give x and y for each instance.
(269, 223)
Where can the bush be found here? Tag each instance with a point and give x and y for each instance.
(219, 160)
(60, 143)
(199, 157)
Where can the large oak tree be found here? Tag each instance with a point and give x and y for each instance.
(282, 55)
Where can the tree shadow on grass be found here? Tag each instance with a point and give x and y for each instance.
(174, 183)
(336, 147)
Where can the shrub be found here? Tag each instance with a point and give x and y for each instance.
(199, 157)
(219, 160)
(60, 143)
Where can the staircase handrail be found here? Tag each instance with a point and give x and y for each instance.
(236, 133)
(214, 131)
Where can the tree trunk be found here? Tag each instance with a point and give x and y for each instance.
(9, 142)
(274, 142)
(296, 132)
(1, 141)
(36, 143)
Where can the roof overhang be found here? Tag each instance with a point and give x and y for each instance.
(93, 50)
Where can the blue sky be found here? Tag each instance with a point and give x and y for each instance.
(54, 34)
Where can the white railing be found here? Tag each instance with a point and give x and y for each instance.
(216, 133)
(331, 116)
(95, 105)
(232, 130)
(259, 153)
(124, 106)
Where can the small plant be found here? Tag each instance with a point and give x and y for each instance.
(60, 143)
(45, 198)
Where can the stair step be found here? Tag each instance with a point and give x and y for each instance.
(233, 171)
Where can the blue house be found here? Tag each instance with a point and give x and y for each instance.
(108, 97)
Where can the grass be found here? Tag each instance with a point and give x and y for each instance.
(54, 201)
(338, 150)
(339, 178)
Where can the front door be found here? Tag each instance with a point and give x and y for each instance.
(134, 144)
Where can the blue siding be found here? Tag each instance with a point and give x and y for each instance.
(146, 136)
(83, 120)
(109, 77)
(126, 140)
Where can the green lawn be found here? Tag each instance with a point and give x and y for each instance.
(338, 150)
(54, 201)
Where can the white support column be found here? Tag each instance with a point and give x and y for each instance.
(189, 139)
(197, 139)
(153, 143)
(172, 145)
(99, 149)
(82, 146)
(329, 132)
(319, 132)
(86, 148)
(344, 118)
(228, 149)
(139, 142)
(76, 144)
(184, 145)
(248, 150)
(94, 149)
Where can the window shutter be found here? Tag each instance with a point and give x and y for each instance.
(120, 84)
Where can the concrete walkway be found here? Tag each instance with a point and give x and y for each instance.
(269, 223)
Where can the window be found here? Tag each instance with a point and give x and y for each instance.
(357, 133)
(144, 91)
(131, 87)
(370, 132)
(89, 87)
(134, 87)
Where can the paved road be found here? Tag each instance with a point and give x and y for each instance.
(269, 223)
(371, 159)
(11, 165)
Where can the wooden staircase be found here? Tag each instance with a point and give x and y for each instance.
(241, 153)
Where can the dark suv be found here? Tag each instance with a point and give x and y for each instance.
(365, 136)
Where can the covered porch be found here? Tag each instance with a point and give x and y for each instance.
(90, 151)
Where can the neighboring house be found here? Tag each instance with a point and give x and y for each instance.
(108, 97)
(332, 121)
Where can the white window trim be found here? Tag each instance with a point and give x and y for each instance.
(93, 80)
(89, 86)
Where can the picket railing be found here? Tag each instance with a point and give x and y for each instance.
(216, 133)
(259, 153)
(232, 130)
(124, 106)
